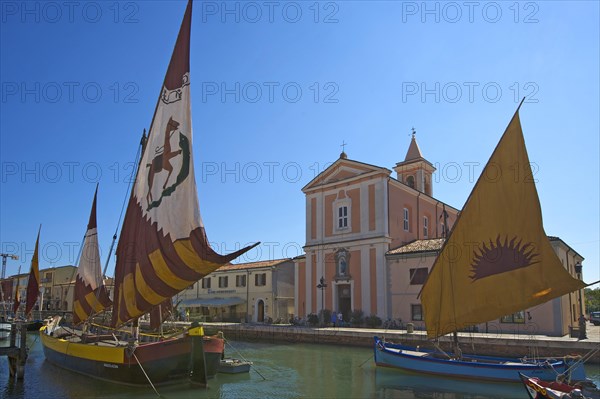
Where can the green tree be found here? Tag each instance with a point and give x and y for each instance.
(592, 300)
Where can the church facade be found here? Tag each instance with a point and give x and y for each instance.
(355, 214)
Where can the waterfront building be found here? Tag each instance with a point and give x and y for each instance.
(355, 213)
(253, 292)
(371, 240)
(57, 288)
(410, 264)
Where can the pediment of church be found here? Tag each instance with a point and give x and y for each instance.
(343, 169)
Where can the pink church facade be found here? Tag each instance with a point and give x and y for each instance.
(355, 214)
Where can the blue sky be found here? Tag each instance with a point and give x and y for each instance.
(276, 88)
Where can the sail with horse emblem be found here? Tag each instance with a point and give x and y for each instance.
(162, 250)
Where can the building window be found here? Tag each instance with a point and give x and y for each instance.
(223, 281)
(410, 181)
(425, 227)
(206, 282)
(416, 313)
(260, 279)
(443, 229)
(418, 276)
(518, 318)
(342, 211)
(240, 281)
(342, 217)
(406, 215)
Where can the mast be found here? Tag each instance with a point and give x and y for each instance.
(455, 345)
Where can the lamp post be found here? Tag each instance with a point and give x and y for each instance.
(322, 285)
(582, 321)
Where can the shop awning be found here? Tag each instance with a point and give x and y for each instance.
(212, 302)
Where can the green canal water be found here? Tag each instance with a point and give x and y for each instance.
(279, 371)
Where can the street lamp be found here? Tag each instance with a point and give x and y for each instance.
(582, 321)
(322, 287)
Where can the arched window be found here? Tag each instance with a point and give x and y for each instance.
(410, 181)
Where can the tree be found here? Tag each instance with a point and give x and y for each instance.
(592, 299)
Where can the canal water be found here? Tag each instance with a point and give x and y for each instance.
(279, 371)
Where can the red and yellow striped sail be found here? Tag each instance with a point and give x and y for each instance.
(163, 248)
(91, 295)
(33, 283)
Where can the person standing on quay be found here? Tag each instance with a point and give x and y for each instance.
(333, 318)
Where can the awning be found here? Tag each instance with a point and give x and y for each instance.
(212, 302)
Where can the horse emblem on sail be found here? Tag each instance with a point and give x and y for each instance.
(162, 162)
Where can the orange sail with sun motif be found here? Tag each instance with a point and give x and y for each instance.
(498, 259)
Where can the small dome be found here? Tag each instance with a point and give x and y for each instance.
(343, 155)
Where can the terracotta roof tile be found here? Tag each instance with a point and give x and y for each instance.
(251, 265)
(432, 244)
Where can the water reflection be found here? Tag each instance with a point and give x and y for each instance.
(397, 384)
(279, 371)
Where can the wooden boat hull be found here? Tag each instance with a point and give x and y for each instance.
(34, 325)
(540, 389)
(472, 367)
(164, 362)
(234, 366)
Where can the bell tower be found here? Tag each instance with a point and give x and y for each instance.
(415, 171)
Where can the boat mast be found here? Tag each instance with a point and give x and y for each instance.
(455, 346)
(2, 293)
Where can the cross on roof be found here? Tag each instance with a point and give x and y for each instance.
(343, 146)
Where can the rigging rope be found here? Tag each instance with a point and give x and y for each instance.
(144, 371)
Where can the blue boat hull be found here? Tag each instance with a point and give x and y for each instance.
(478, 367)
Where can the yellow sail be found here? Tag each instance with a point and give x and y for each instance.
(498, 259)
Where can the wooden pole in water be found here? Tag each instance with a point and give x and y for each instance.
(18, 356)
(198, 361)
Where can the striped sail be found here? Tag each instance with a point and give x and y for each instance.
(33, 283)
(163, 247)
(91, 295)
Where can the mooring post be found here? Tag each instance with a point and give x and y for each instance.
(13, 334)
(18, 354)
(22, 353)
(198, 361)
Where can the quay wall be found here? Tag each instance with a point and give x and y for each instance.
(506, 345)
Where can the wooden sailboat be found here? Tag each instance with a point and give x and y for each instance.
(496, 261)
(162, 250)
(540, 389)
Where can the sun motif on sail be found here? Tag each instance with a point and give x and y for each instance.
(500, 257)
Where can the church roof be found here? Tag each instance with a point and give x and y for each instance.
(342, 169)
(252, 265)
(416, 246)
(414, 152)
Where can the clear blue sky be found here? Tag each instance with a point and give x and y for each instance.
(276, 88)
